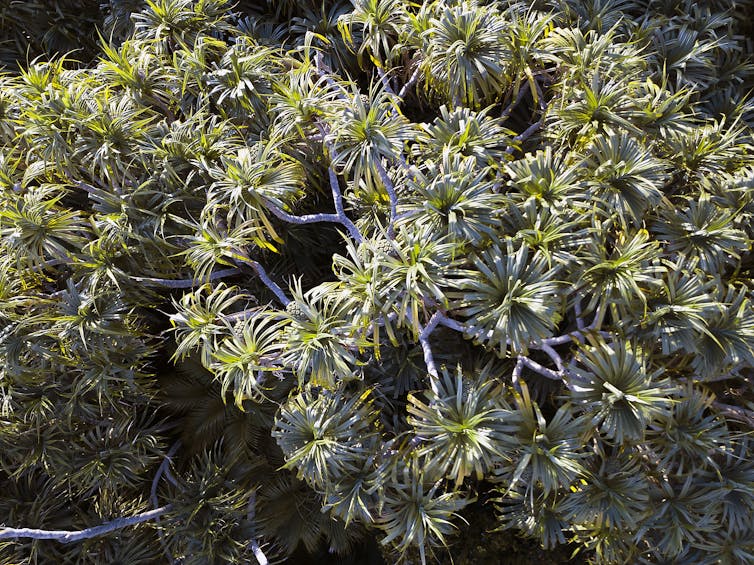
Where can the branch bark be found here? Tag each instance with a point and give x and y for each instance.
(390, 188)
(163, 470)
(264, 277)
(68, 536)
(186, 283)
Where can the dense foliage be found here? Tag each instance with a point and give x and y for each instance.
(303, 273)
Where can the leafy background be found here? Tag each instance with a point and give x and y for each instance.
(324, 280)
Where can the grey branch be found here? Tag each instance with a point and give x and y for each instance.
(163, 470)
(339, 217)
(253, 543)
(410, 83)
(438, 318)
(521, 93)
(552, 354)
(539, 369)
(300, 220)
(516, 375)
(452, 324)
(186, 283)
(735, 413)
(577, 309)
(264, 277)
(337, 196)
(68, 536)
(242, 315)
(390, 188)
(324, 71)
(528, 132)
(429, 358)
(404, 90)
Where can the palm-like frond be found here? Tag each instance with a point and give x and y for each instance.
(623, 177)
(325, 435)
(601, 107)
(36, 228)
(707, 151)
(616, 390)
(702, 231)
(732, 473)
(690, 434)
(413, 273)
(242, 77)
(678, 311)
(368, 131)
(554, 233)
(415, 514)
(298, 101)
(509, 299)
(614, 496)
(729, 339)
(244, 360)
(379, 22)
(460, 425)
(318, 350)
(682, 515)
(547, 454)
(532, 513)
(621, 274)
(468, 133)
(246, 183)
(544, 176)
(465, 54)
(197, 322)
(455, 198)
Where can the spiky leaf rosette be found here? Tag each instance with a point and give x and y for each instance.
(614, 386)
(510, 298)
(461, 426)
(417, 513)
(465, 53)
(326, 435)
(547, 455)
(280, 182)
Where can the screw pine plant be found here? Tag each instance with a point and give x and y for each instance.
(286, 279)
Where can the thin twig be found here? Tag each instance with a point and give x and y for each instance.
(411, 81)
(521, 93)
(385, 81)
(186, 283)
(253, 543)
(338, 199)
(68, 536)
(390, 188)
(264, 277)
(163, 469)
(325, 72)
(537, 368)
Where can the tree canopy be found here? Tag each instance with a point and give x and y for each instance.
(280, 277)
